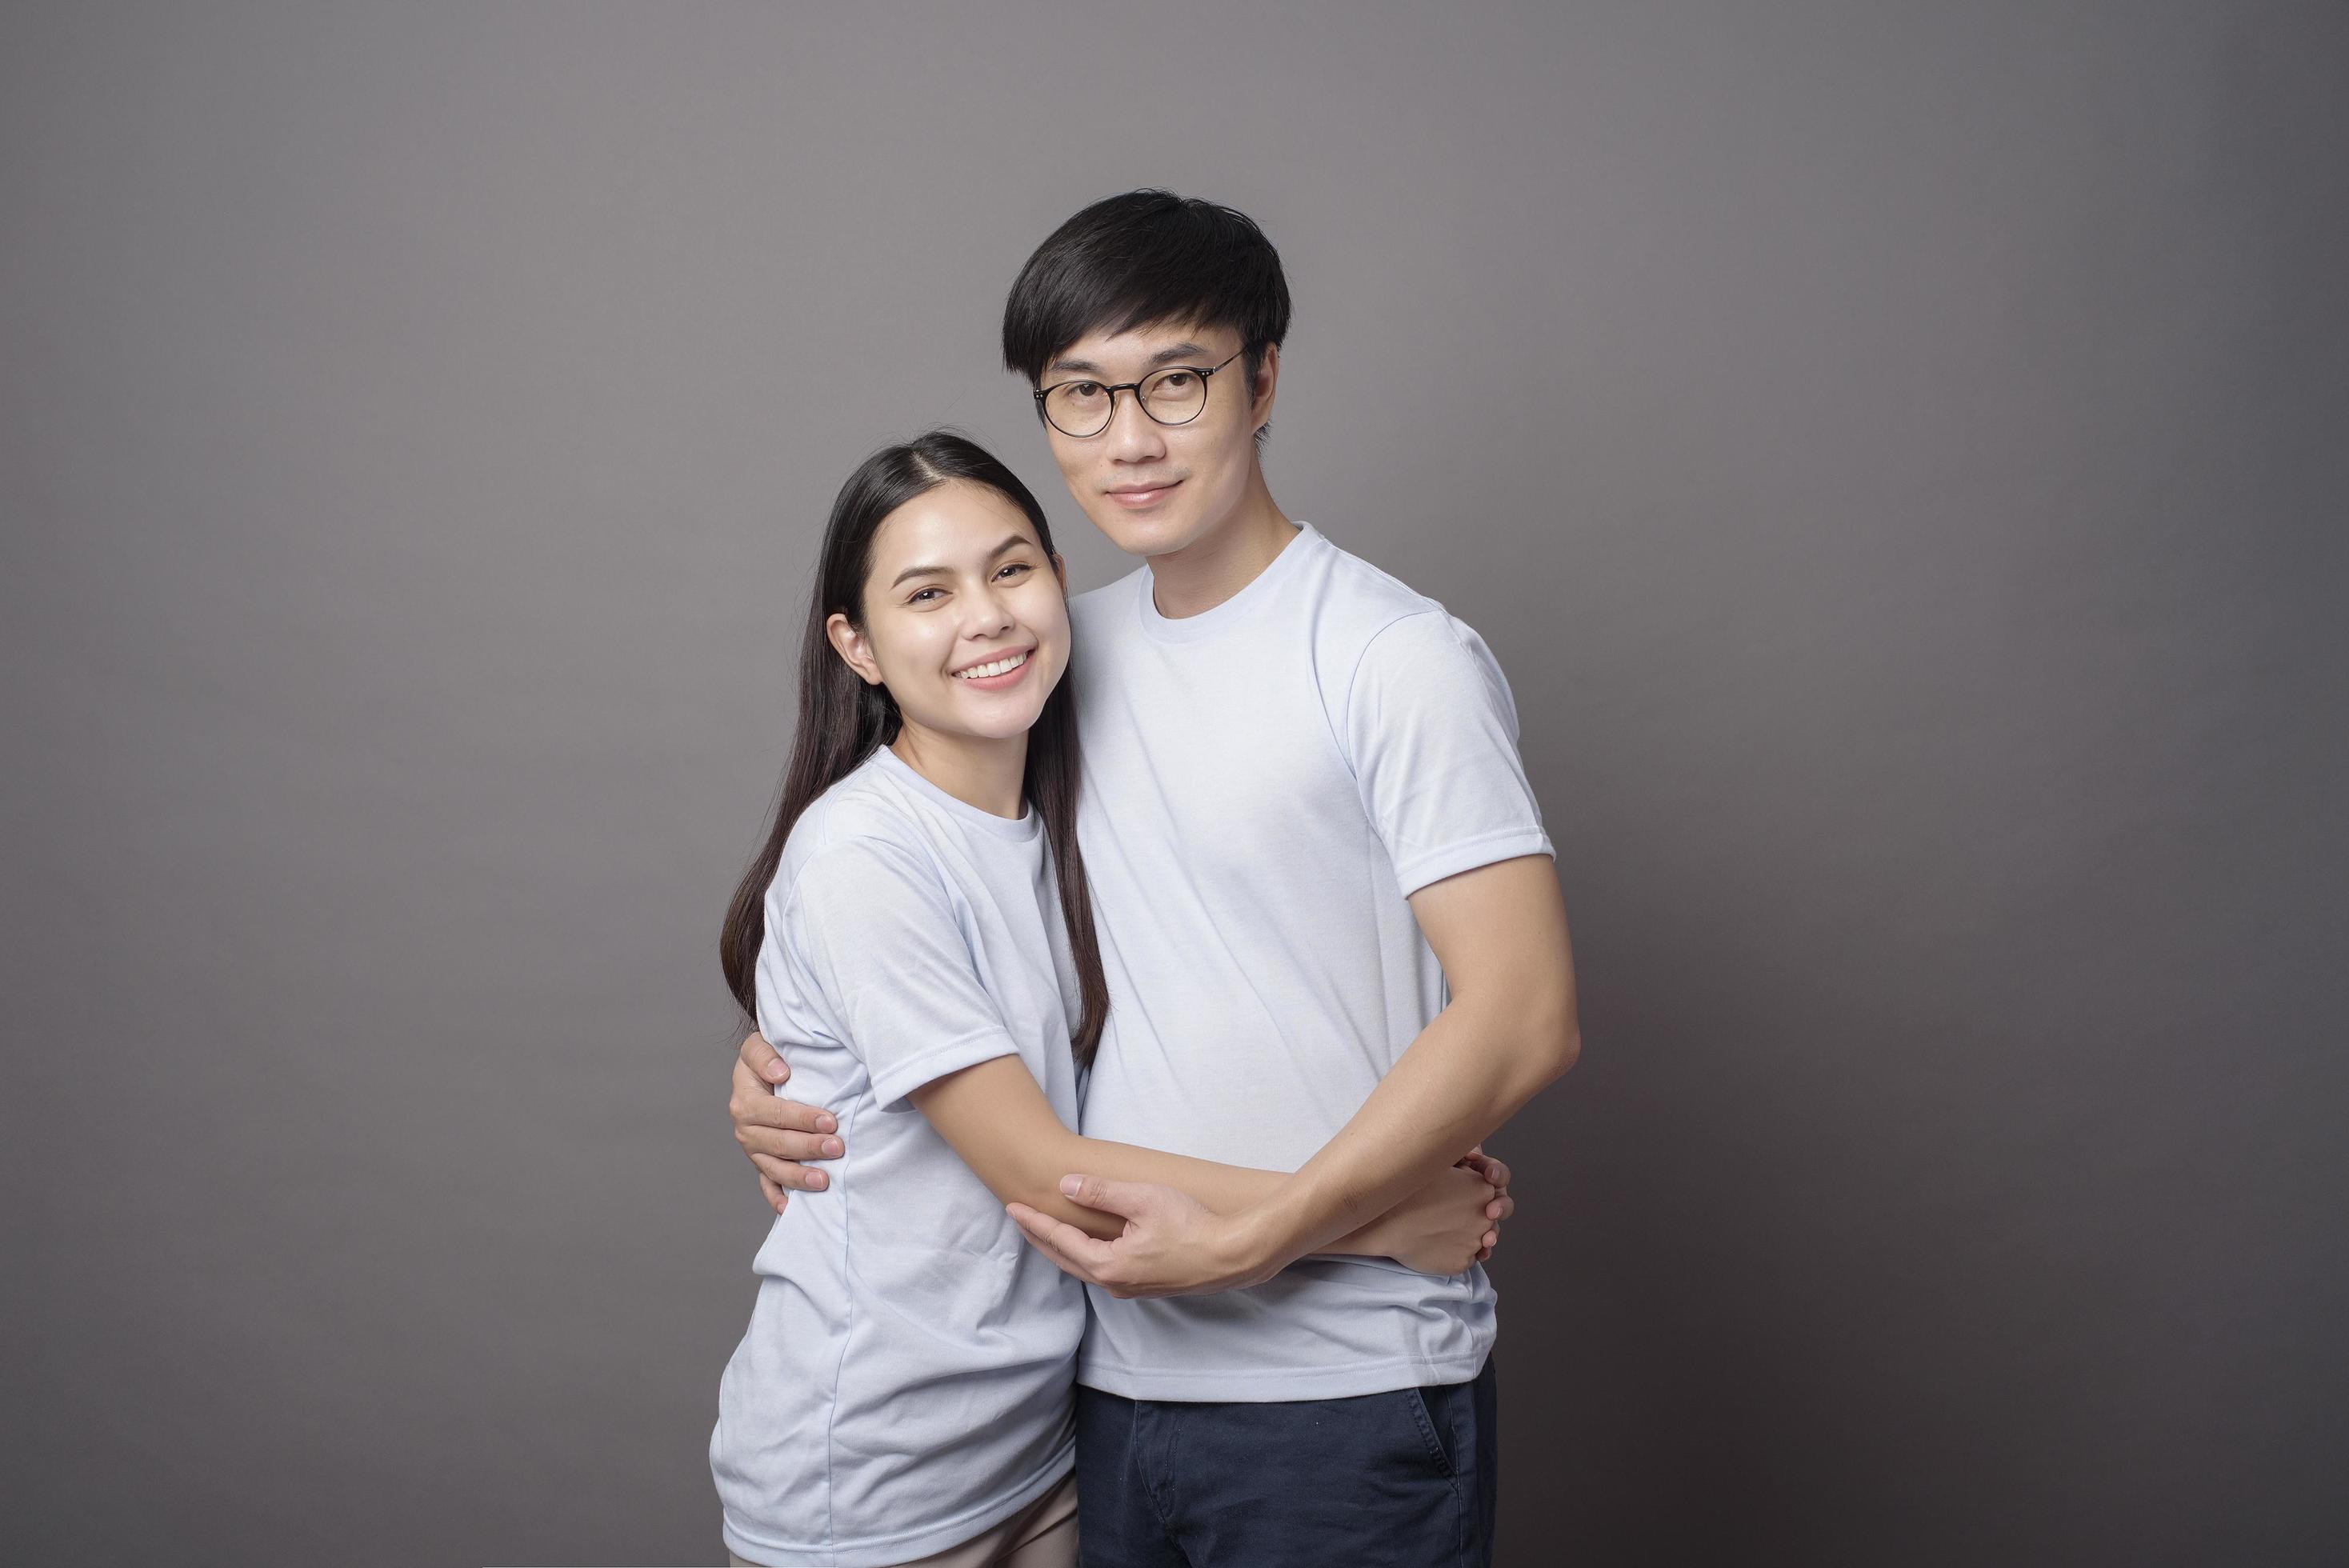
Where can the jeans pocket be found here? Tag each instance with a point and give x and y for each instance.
(1430, 1410)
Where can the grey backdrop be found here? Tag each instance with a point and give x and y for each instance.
(1897, 452)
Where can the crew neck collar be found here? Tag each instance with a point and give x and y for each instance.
(1025, 826)
(1208, 622)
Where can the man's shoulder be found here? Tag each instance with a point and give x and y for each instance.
(1376, 635)
(1357, 603)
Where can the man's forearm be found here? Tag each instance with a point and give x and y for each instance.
(1226, 1189)
(1470, 1070)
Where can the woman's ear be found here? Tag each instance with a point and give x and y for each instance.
(1061, 571)
(852, 648)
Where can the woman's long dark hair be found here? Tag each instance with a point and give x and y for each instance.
(841, 719)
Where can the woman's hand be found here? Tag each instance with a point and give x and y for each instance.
(1451, 1223)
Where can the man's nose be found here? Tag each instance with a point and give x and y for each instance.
(1133, 436)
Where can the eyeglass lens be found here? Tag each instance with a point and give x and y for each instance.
(1172, 397)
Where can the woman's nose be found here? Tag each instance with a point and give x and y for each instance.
(988, 613)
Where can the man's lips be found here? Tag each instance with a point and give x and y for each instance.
(1139, 495)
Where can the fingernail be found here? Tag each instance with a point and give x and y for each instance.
(1069, 1185)
(816, 1181)
(826, 1124)
(775, 1071)
(832, 1148)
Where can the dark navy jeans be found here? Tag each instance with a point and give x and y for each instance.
(1404, 1478)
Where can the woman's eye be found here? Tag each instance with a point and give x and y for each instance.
(921, 594)
(1014, 566)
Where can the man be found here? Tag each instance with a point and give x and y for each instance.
(1332, 932)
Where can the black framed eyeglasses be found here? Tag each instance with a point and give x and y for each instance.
(1170, 397)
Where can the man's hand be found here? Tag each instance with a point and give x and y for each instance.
(1446, 1226)
(1502, 1205)
(777, 1133)
(1173, 1244)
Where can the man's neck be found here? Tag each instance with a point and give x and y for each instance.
(1194, 580)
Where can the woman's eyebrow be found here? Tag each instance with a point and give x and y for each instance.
(1014, 542)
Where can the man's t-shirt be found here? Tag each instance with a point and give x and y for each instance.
(904, 1384)
(1264, 786)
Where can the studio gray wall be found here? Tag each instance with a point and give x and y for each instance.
(1895, 451)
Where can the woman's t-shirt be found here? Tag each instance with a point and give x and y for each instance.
(906, 1379)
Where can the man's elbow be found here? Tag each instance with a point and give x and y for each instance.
(1557, 1032)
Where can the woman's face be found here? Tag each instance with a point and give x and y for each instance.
(966, 618)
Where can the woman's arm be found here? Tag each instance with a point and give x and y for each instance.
(997, 1118)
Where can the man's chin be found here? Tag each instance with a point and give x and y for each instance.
(1148, 535)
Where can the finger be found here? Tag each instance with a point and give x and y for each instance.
(759, 1108)
(1492, 1171)
(776, 1199)
(1501, 1207)
(1034, 1225)
(1126, 1199)
(1059, 1259)
(1093, 1253)
(761, 1059)
(784, 1173)
(800, 1146)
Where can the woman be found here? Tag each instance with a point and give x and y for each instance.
(918, 927)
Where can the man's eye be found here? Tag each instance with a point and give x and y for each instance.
(1176, 381)
(1084, 388)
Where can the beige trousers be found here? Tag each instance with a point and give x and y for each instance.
(1041, 1535)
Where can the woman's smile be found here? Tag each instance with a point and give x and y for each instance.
(995, 673)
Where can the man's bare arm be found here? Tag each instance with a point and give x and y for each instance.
(1510, 1030)
(998, 1121)
(780, 1135)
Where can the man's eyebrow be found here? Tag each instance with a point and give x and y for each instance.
(1164, 357)
(1014, 542)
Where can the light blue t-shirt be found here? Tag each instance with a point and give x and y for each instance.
(1264, 786)
(906, 1380)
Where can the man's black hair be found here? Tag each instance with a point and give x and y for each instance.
(1143, 257)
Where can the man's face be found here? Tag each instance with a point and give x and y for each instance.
(1159, 489)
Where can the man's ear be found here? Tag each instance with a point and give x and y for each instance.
(851, 646)
(1267, 375)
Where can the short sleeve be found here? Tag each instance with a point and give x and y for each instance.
(1432, 732)
(872, 924)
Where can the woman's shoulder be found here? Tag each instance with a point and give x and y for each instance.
(857, 829)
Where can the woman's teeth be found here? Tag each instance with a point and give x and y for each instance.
(999, 667)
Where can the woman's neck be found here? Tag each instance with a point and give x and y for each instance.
(988, 774)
